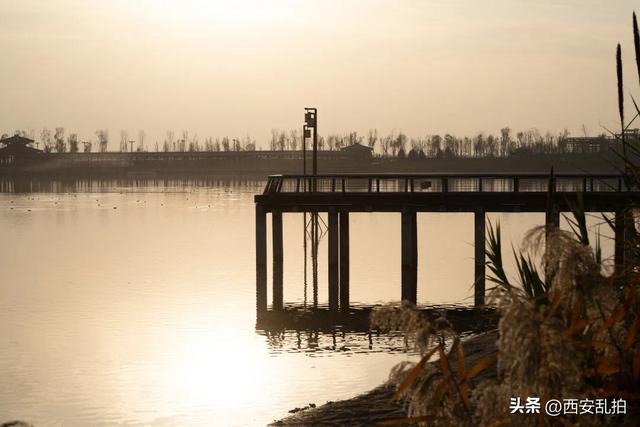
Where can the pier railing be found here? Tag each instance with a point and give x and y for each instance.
(446, 183)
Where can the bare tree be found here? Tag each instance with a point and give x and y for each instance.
(401, 142)
(58, 137)
(208, 144)
(320, 142)
(45, 137)
(331, 142)
(293, 136)
(182, 143)
(249, 144)
(505, 141)
(170, 141)
(194, 143)
(282, 141)
(103, 140)
(354, 138)
(372, 138)
(124, 139)
(141, 137)
(72, 139)
(386, 144)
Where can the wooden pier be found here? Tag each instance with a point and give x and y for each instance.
(339, 195)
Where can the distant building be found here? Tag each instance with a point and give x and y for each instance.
(585, 145)
(16, 146)
(358, 151)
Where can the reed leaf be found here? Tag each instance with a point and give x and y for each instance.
(636, 43)
(413, 374)
(617, 315)
(443, 362)
(532, 284)
(633, 333)
(494, 255)
(440, 391)
(480, 366)
(578, 223)
(464, 387)
(620, 86)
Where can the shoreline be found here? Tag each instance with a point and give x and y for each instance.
(374, 406)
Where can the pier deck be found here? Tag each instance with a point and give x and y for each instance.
(408, 194)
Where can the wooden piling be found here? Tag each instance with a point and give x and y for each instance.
(344, 260)
(261, 258)
(333, 259)
(409, 254)
(276, 228)
(480, 264)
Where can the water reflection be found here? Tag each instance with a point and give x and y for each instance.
(145, 314)
(320, 330)
(91, 185)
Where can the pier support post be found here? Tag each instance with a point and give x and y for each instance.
(333, 259)
(409, 252)
(344, 260)
(480, 264)
(276, 229)
(261, 259)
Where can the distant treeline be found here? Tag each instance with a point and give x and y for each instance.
(394, 144)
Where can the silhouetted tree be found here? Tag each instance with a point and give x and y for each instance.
(273, 144)
(372, 139)
(124, 139)
(72, 139)
(45, 137)
(321, 142)
(170, 142)
(385, 143)
(194, 143)
(58, 137)
(293, 137)
(249, 143)
(141, 137)
(505, 141)
(182, 143)
(103, 140)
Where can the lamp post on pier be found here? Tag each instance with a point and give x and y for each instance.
(311, 123)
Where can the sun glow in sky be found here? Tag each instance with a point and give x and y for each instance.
(244, 67)
(242, 13)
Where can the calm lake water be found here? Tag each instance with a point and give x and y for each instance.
(135, 305)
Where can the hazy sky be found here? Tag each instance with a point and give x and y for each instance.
(246, 66)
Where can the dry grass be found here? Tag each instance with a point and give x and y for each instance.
(581, 343)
